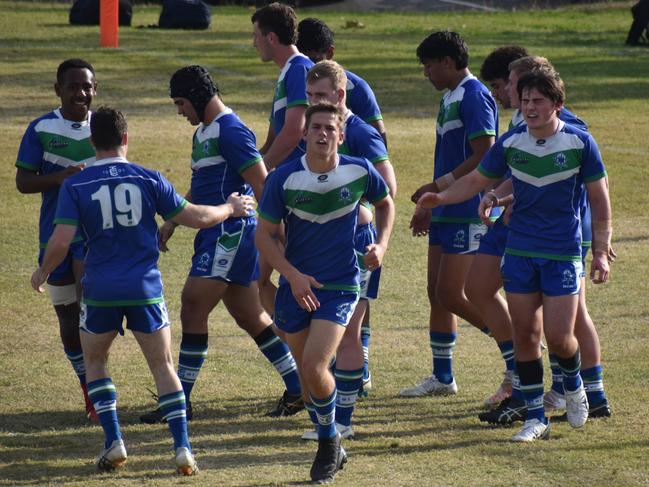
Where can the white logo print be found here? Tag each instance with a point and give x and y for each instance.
(568, 279)
(460, 239)
(561, 161)
(203, 262)
(112, 170)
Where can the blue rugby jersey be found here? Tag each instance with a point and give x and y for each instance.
(115, 203)
(361, 99)
(51, 144)
(320, 211)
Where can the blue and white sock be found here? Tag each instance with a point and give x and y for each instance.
(442, 346)
(278, 354)
(348, 383)
(193, 350)
(325, 409)
(103, 395)
(531, 377)
(310, 408)
(75, 356)
(570, 367)
(174, 410)
(365, 341)
(557, 374)
(507, 352)
(594, 385)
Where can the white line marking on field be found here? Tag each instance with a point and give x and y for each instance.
(471, 4)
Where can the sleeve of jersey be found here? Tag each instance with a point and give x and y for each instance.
(592, 166)
(30, 153)
(376, 189)
(239, 148)
(295, 83)
(271, 207)
(494, 165)
(67, 209)
(479, 115)
(169, 203)
(372, 148)
(363, 102)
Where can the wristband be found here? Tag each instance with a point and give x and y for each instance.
(445, 181)
(494, 197)
(602, 233)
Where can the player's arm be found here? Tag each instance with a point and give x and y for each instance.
(384, 222)
(464, 188)
(33, 182)
(255, 176)
(205, 216)
(380, 128)
(600, 207)
(168, 228)
(268, 242)
(287, 139)
(270, 137)
(502, 195)
(386, 170)
(56, 250)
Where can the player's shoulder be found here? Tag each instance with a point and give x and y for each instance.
(284, 170)
(37, 123)
(355, 79)
(573, 120)
(300, 61)
(345, 160)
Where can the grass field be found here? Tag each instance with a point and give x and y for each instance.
(44, 438)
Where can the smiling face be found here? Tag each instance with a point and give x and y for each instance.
(323, 135)
(187, 110)
(540, 112)
(76, 91)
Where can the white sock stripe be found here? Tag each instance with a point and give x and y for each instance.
(175, 414)
(269, 343)
(318, 404)
(594, 386)
(75, 358)
(442, 353)
(99, 388)
(178, 398)
(194, 353)
(434, 344)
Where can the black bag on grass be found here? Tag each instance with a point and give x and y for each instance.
(86, 12)
(640, 26)
(184, 14)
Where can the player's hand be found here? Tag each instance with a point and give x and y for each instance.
(69, 171)
(484, 209)
(301, 287)
(426, 188)
(166, 231)
(373, 257)
(599, 268)
(508, 214)
(242, 205)
(429, 200)
(420, 222)
(38, 279)
(612, 255)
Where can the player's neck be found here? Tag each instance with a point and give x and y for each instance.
(283, 53)
(212, 110)
(321, 163)
(545, 131)
(457, 78)
(111, 153)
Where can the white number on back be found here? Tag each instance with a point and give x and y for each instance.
(128, 205)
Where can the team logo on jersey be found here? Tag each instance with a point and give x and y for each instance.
(568, 279)
(58, 143)
(113, 171)
(76, 125)
(459, 241)
(206, 146)
(561, 161)
(222, 262)
(322, 178)
(540, 142)
(203, 262)
(345, 194)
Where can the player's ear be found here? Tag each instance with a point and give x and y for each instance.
(92, 143)
(330, 52)
(341, 93)
(57, 89)
(125, 139)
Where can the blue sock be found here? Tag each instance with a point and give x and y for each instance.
(365, 341)
(557, 374)
(531, 376)
(75, 356)
(193, 350)
(173, 409)
(104, 398)
(348, 382)
(517, 394)
(594, 385)
(570, 367)
(310, 408)
(325, 409)
(507, 352)
(442, 346)
(278, 354)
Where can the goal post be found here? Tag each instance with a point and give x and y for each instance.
(109, 23)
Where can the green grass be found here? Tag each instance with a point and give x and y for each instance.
(430, 441)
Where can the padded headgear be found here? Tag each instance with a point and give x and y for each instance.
(196, 85)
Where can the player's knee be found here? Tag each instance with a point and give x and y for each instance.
(561, 344)
(452, 299)
(349, 345)
(313, 369)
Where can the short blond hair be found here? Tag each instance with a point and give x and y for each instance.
(325, 107)
(531, 63)
(328, 70)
